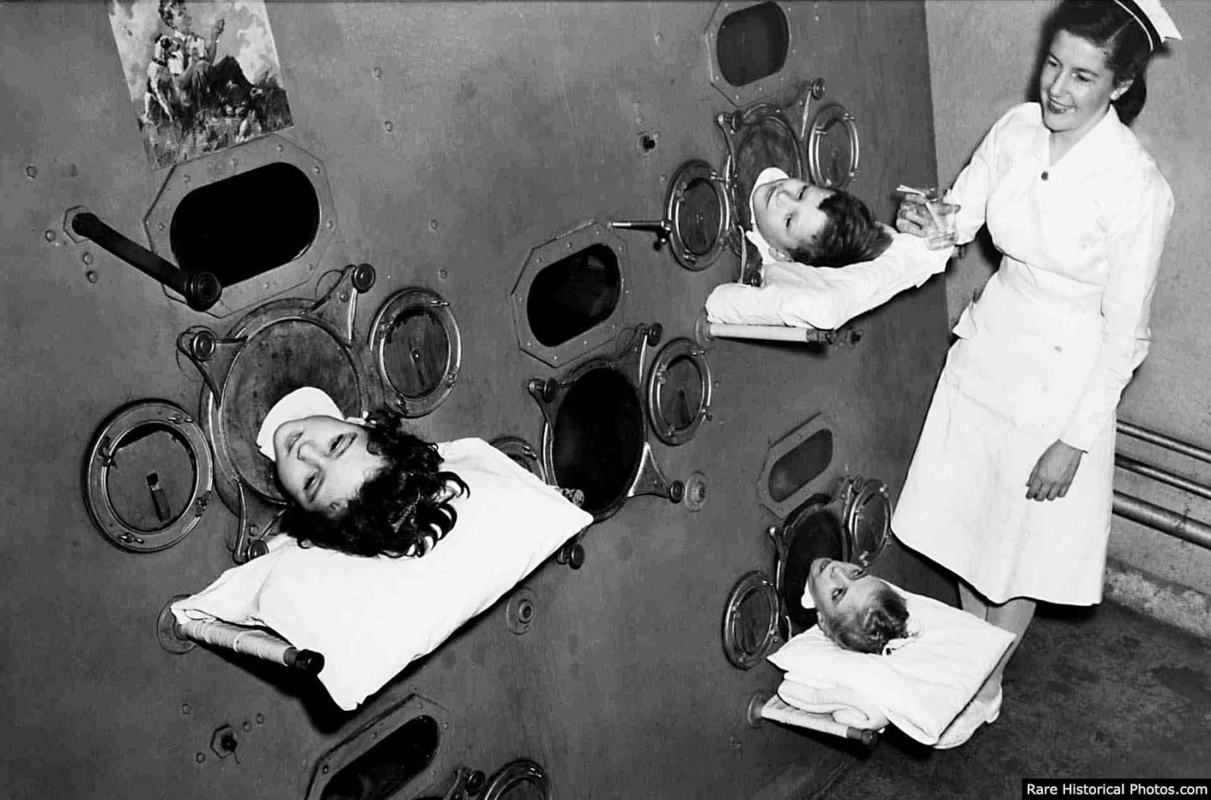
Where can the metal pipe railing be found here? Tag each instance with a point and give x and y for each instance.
(1162, 519)
(1163, 476)
(1150, 514)
(1167, 442)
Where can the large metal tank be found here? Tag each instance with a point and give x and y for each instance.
(449, 143)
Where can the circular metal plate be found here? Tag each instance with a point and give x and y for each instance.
(750, 620)
(699, 214)
(868, 519)
(132, 448)
(832, 147)
(280, 357)
(678, 391)
(417, 349)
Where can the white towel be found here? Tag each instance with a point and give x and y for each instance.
(843, 704)
(920, 687)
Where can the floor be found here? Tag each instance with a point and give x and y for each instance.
(1101, 692)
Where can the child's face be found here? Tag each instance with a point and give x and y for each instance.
(787, 213)
(841, 590)
(322, 462)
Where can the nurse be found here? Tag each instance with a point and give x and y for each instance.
(1010, 486)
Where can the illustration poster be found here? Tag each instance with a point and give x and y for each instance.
(203, 76)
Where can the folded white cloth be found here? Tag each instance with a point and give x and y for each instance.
(841, 703)
(780, 711)
(920, 686)
(822, 297)
(371, 617)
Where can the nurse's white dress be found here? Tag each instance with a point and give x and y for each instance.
(1043, 355)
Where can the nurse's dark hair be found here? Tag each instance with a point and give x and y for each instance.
(1107, 25)
(850, 236)
(403, 509)
(869, 629)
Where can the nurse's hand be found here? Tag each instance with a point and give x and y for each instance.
(913, 216)
(1053, 473)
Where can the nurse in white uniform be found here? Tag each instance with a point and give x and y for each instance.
(1010, 486)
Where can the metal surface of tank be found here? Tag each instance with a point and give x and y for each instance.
(455, 138)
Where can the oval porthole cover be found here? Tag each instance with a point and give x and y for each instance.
(173, 513)
(748, 46)
(571, 295)
(311, 212)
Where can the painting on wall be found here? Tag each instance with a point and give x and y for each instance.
(203, 76)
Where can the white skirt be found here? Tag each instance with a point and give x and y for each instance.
(1000, 403)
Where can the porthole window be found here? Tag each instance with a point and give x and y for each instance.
(147, 476)
(417, 348)
(573, 295)
(814, 531)
(752, 43)
(388, 765)
(678, 391)
(750, 621)
(833, 151)
(245, 225)
(801, 464)
(597, 438)
(868, 519)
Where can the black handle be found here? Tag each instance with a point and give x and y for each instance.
(200, 289)
(307, 661)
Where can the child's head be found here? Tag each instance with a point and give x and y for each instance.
(855, 610)
(366, 490)
(815, 226)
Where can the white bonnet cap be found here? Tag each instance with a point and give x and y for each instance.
(1153, 18)
(305, 402)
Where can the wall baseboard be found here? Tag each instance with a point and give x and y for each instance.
(1161, 599)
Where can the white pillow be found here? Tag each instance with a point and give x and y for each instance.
(921, 686)
(371, 617)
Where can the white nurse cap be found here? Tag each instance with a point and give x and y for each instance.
(1153, 18)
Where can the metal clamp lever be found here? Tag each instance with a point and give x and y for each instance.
(661, 227)
(200, 289)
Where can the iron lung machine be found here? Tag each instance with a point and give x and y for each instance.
(501, 220)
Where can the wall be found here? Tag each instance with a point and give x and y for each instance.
(510, 123)
(981, 58)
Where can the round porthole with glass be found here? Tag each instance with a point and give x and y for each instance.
(416, 346)
(678, 391)
(832, 147)
(148, 476)
(750, 620)
(699, 213)
(868, 519)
